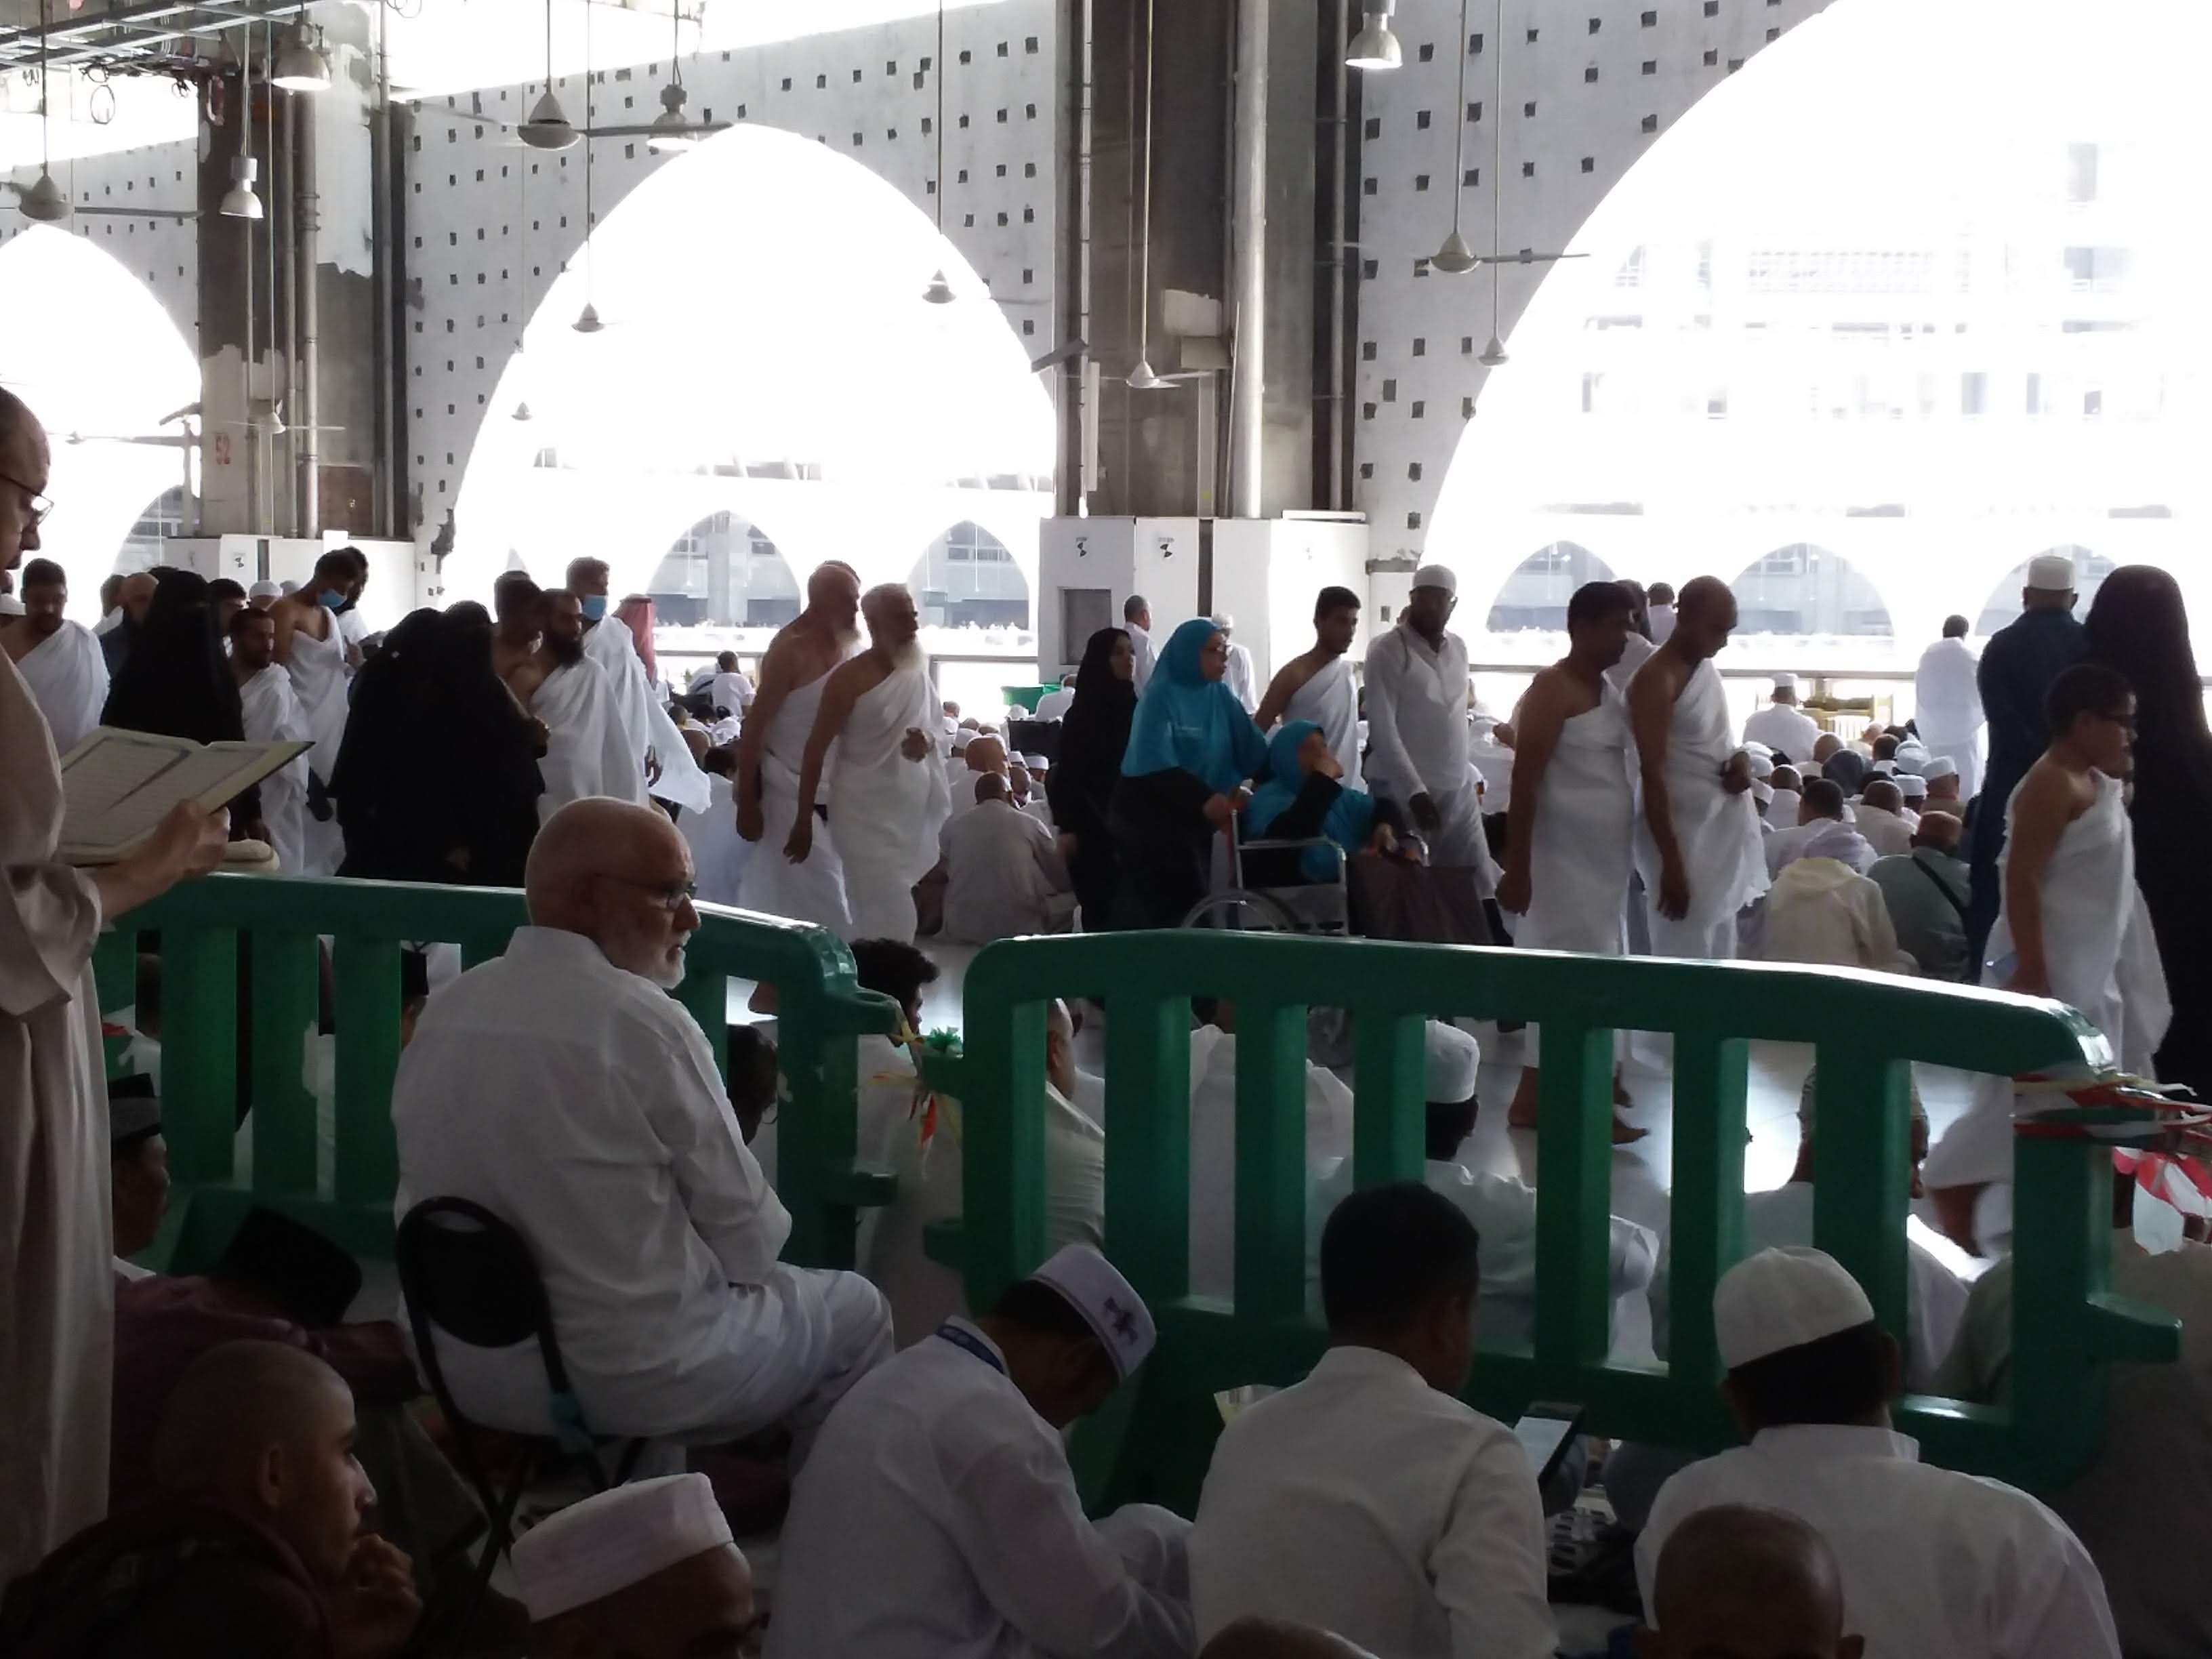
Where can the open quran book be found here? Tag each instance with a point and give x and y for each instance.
(117, 787)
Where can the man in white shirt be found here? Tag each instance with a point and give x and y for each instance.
(597, 1127)
(1002, 874)
(1782, 725)
(939, 1516)
(1367, 1499)
(1933, 1562)
(1880, 817)
(1137, 620)
(1737, 1581)
(60, 660)
(272, 713)
(1240, 677)
(1417, 710)
(1821, 911)
(1946, 704)
(1055, 704)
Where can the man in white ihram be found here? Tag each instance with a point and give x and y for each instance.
(587, 746)
(1946, 704)
(1317, 685)
(891, 795)
(1933, 1562)
(597, 1127)
(1697, 847)
(272, 715)
(1417, 726)
(1239, 677)
(938, 1516)
(1782, 725)
(795, 674)
(59, 660)
(657, 749)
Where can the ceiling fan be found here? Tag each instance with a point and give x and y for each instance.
(35, 203)
(1143, 377)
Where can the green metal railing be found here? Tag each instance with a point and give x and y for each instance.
(821, 1008)
(1866, 1030)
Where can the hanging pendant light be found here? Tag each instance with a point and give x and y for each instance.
(939, 292)
(302, 65)
(549, 126)
(1455, 258)
(521, 410)
(588, 320)
(43, 202)
(1375, 47)
(671, 130)
(1494, 353)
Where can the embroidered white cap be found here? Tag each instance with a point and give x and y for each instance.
(1941, 767)
(1786, 683)
(1036, 762)
(2051, 573)
(1224, 621)
(1108, 1303)
(613, 1540)
(1454, 1059)
(1783, 1298)
(962, 739)
(1436, 575)
(1915, 787)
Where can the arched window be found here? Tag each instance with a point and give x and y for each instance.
(2003, 606)
(726, 571)
(1535, 594)
(1807, 592)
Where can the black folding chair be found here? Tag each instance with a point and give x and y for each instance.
(465, 1272)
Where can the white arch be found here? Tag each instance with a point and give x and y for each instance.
(104, 362)
(763, 303)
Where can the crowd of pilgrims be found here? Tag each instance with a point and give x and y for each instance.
(271, 1486)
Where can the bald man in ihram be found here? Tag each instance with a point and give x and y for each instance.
(880, 710)
(598, 1126)
(795, 675)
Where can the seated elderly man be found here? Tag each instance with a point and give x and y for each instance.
(252, 1544)
(647, 1571)
(1933, 1561)
(1821, 910)
(1003, 875)
(1880, 817)
(1823, 830)
(1926, 892)
(561, 1087)
(1739, 1582)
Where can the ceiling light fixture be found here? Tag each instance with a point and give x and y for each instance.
(588, 320)
(1375, 47)
(302, 66)
(940, 291)
(239, 201)
(1494, 353)
(1455, 258)
(43, 201)
(671, 130)
(549, 126)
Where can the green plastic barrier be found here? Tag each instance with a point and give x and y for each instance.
(820, 1010)
(1866, 1030)
(1027, 697)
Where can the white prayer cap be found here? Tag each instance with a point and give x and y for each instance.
(1223, 620)
(2051, 573)
(1753, 746)
(1786, 683)
(962, 739)
(1913, 785)
(1762, 792)
(1941, 767)
(1454, 1059)
(1783, 1298)
(1107, 1302)
(1036, 762)
(1762, 765)
(265, 591)
(614, 1539)
(1436, 575)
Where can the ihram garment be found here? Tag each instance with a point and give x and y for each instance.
(67, 673)
(1716, 832)
(889, 808)
(814, 890)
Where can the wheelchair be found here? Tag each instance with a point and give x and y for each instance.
(1269, 890)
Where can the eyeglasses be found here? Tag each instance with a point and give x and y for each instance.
(669, 895)
(38, 505)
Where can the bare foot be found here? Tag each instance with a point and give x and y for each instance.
(1621, 1094)
(1624, 1134)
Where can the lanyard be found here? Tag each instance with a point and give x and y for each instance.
(973, 1344)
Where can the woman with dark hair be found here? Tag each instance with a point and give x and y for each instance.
(1191, 749)
(437, 779)
(2137, 625)
(177, 681)
(1093, 736)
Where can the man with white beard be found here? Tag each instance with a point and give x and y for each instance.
(586, 748)
(272, 715)
(311, 648)
(1948, 704)
(795, 675)
(60, 660)
(891, 795)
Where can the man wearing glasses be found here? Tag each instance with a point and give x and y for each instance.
(562, 1087)
(57, 1318)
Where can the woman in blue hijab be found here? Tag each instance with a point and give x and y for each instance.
(1191, 748)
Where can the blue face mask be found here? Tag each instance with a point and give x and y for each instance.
(595, 607)
(331, 598)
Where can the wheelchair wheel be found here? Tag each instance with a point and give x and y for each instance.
(1242, 910)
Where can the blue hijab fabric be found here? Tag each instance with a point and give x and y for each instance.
(1189, 723)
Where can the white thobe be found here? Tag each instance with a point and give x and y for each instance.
(1782, 812)
(1660, 619)
(56, 1296)
(317, 671)
(1238, 677)
(1823, 912)
(1886, 831)
(1214, 1151)
(2102, 959)
(1947, 708)
(1141, 649)
(353, 627)
(718, 854)
(889, 809)
(1717, 833)
(938, 1517)
(1785, 729)
(273, 714)
(1054, 705)
(586, 749)
(814, 890)
(732, 691)
(1331, 700)
(1581, 851)
(1003, 876)
(67, 672)
(1935, 1297)
(1503, 1212)
(643, 712)
(1934, 1563)
(925, 1292)
(597, 1128)
(1364, 1501)
(1417, 725)
(1825, 838)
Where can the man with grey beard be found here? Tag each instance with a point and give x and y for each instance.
(890, 795)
